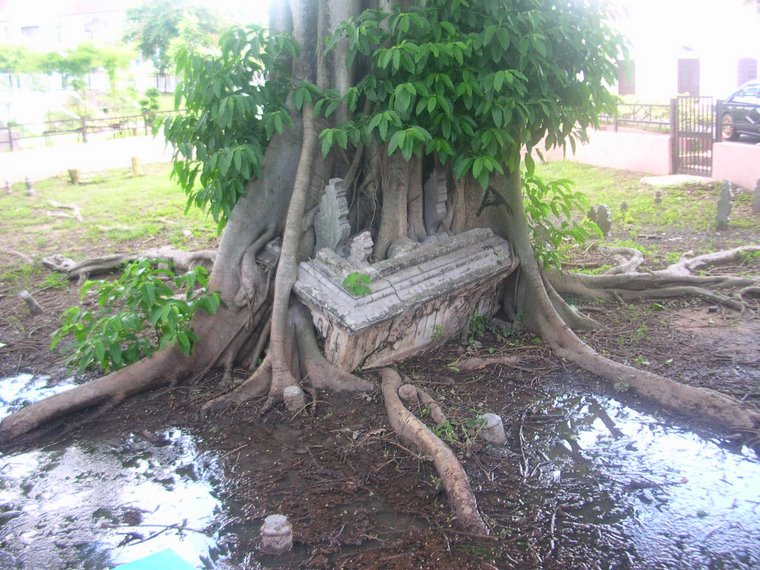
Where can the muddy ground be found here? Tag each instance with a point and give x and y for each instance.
(358, 498)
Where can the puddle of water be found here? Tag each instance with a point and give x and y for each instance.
(683, 500)
(101, 504)
(18, 391)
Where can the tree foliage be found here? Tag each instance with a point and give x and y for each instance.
(233, 104)
(477, 81)
(145, 309)
(472, 83)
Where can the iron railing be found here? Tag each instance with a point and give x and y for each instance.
(13, 135)
(644, 116)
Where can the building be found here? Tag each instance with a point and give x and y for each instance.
(696, 47)
(62, 24)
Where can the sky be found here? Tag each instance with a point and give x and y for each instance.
(715, 25)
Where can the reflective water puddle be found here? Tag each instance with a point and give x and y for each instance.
(109, 502)
(682, 500)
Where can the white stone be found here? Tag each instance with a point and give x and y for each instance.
(276, 535)
(294, 398)
(492, 429)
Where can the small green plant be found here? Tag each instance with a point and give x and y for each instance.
(147, 308)
(55, 281)
(357, 284)
(748, 256)
(550, 208)
(640, 360)
(447, 432)
(477, 327)
(641, 333)
(437, 332)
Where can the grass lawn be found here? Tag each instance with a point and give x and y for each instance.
(121, 212)
(681, 220)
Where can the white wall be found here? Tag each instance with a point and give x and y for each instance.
(717, 32)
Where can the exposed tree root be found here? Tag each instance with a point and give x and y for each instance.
(304, 360)
(628, 259)
(687, 265)
(624, 283)
(714, 407)
(315, 367)
(255, 386)
(453, 475)
(34, 307)
(181, 260)
(75, 211)
(22, 256)
(478, 363)
(411, 394)
(150, 373)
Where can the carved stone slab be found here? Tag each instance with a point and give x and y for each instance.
(435, 195)
(417, 301)
(331, 222)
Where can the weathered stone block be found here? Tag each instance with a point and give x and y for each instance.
(331, 222)
(417, 301)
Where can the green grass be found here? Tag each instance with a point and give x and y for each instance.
(121, 212)
(116, 207)
(689, 207)
(683, 207)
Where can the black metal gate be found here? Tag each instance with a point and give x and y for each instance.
(693, 129)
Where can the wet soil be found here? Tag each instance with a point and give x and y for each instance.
(587, 478)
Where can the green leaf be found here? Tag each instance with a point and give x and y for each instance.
(477, 167)
(326, 136)
(397, 141)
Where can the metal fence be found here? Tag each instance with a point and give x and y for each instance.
(650, 117)
(16, 136)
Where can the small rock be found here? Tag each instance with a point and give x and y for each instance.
(29, 188)
(493, 429)
(295, 399)
(276, 535)
(603, 218)
(712, 309)
(724, 207)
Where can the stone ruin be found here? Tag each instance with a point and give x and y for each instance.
(423, 294)
(603, 217)
(723, 215)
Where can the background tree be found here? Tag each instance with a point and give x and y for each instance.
(154, 25)
(456, 88)
(18, 59)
